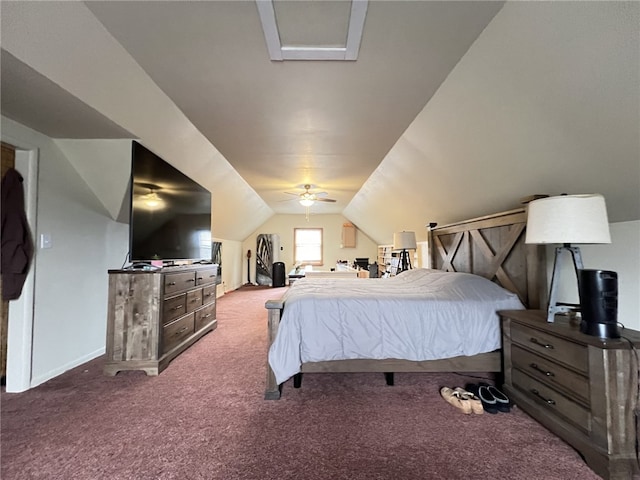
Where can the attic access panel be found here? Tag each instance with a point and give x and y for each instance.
(278, 24)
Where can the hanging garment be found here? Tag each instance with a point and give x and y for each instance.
(16, 244)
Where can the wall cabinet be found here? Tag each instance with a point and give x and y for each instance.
(153, 316)
(582, 388)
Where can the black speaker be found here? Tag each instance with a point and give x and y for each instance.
(599, 303)
(277, 274)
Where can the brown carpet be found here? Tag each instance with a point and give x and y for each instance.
(204, 417)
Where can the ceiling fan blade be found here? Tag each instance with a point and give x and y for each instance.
(291, 193)
(321, 194)
(325, 200)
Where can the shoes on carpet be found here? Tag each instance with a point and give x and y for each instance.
(493, 400)
(474, 401)
(455, 398)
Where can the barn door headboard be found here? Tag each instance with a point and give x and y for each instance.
(493, 247)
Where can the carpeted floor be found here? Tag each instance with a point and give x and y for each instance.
(204, 417)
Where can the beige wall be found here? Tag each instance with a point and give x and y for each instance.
(283, 225)
(621, 256)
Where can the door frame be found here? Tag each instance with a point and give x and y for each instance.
(21, 310)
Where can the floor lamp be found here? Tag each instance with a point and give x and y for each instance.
(403, 242)
(566, 220)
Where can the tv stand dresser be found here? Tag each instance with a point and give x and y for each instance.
(154, 315)
(582, 388)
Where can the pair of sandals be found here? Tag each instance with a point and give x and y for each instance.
(493, 400)
(462, 399)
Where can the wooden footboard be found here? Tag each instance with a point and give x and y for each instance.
(274, 308)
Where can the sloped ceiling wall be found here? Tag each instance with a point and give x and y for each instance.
(74, 49)
(545, 101)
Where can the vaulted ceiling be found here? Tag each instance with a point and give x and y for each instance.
(451, 109)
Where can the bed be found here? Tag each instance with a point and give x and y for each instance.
(315, 314)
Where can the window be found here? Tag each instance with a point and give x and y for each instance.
(307, 246)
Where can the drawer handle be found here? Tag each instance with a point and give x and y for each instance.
(545, 345)
(195, 300)
(200, 278)
(207, 315)
(191, 280)
(177, 307)
(544, 372)
(182, 330)
(548, 401)
(171, 284)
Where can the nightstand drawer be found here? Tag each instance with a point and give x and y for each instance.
(573, 384)
(550, 346)
(553, 400)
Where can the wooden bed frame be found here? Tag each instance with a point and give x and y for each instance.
(491, 246)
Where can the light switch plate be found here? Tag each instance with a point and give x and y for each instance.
(45, 240)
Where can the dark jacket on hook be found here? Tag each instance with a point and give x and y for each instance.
(17, 246)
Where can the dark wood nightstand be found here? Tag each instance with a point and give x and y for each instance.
(581, 387)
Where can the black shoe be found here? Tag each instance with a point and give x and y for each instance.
(489, 402)
(502, 401)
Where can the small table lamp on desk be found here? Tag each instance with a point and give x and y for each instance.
(568, 219)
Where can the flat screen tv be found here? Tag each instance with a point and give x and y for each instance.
(170, 213)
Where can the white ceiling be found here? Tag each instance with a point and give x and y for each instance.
(445, 102)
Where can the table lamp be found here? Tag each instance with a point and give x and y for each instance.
(567, 219)
(403, 242)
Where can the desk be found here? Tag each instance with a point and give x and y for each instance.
(295, 274)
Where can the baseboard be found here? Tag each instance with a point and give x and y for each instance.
(40, 379)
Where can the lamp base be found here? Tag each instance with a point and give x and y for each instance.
(555, 306)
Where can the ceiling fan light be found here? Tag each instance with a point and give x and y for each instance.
(306, 202)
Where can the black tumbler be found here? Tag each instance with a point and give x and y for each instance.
(599, 303)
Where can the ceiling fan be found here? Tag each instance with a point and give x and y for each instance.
(308, 198)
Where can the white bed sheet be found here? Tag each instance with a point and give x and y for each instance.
(421, 314)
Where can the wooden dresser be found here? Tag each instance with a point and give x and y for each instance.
(153, 316)
(582, 388)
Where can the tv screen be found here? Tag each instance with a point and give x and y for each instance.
(170, 213)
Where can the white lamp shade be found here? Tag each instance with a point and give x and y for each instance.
(568, 219)
(404, 241)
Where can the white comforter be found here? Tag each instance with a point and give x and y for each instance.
(420, 314)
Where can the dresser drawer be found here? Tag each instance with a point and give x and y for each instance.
(194, 299)
(550, 346)
(178, 282)
(553, 400)
(176, 332)
(205, 315)
(575, 385)
(209, 294)
(174, 307)
(207, 275)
